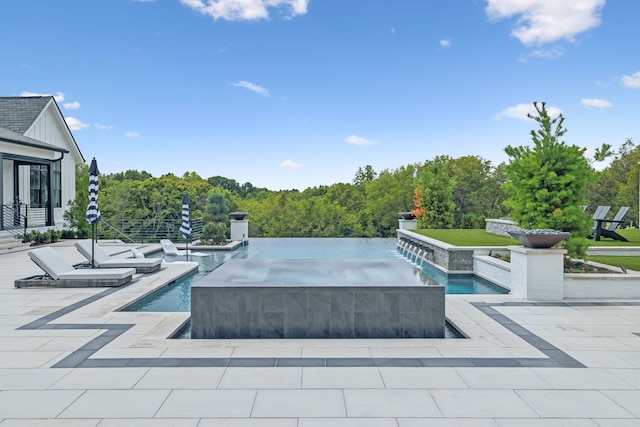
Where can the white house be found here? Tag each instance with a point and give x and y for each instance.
(38, 158)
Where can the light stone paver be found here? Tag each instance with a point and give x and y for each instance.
(33, 392)
(390, 403)
(586, 379)
(327, 378)
(30, 379)
(36, 403)
(116, 404)
(547, 422)
(502, 378)
(208, 404)
(248, 422)
(446, 422)
(51, 423)
(482, 404)
(299, 403)
(155, 422)
(573, 404)
(254, 378)
(423, 378)
(348, 422)
(630, 400)
(100, 378)
(180, 378)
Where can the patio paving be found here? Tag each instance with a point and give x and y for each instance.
(68, 357)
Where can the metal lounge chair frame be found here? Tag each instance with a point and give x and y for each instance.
(59, 273)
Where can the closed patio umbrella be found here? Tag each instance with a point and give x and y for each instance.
(93, 213)
(185, 228)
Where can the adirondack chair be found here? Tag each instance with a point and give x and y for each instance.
(610, 230)
(599, 214)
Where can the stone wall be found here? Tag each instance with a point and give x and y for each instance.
(500, 226)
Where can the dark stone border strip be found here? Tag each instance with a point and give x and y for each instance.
(81, 358)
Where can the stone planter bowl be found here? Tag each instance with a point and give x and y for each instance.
(406, 215)
(540, 239)
(238, 215)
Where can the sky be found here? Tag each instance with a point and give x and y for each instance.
(291, 94)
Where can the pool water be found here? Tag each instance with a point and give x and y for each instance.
(177, 295)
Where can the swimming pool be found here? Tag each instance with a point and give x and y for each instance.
(177, 295)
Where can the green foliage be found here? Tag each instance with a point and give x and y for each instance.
(217, 230)
(216, 216)
(468, 237)
(77, 209)
(547, 183)
(36, 237)
(437, 189)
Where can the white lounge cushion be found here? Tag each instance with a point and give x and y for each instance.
(170, 249)
(58, 268)
(102, 259)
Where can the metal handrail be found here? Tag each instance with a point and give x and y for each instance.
(120, 233)
(145, 230)
(14, 222)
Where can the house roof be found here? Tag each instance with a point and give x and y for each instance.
(17, 113)
(11, 136)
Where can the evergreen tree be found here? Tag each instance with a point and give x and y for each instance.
(436, 188)
(547, 184)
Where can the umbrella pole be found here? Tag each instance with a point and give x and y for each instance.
(93, 238)
(187, 249)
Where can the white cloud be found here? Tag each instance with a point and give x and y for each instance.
(632, 81)
(246, 10)
(254, 88)
(59, 96)
(75, 124)
(595, 102)
(71, 105)
(131, 135)
(358, 140)
(520, 111)
(103, 127)
(551, 53)
(544, 21)
(445, 42)
(290, 164)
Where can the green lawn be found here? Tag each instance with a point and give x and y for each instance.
(482, 238)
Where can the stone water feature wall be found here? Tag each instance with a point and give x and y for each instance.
(452, 259)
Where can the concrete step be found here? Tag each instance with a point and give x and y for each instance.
(8, 242)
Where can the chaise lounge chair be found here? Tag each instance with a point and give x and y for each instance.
(170, 249)
(614, 223)
(61, 274)
(102, 259)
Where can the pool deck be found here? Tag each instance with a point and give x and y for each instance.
(69, 358)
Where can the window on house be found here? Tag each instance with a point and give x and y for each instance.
(39, 190)
(57, 184)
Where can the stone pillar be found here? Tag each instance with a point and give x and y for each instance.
(239, 230)
(537, 274)
(408, 224)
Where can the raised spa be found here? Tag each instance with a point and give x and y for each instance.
(354, 298)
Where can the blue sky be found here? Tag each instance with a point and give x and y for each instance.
(297, 93)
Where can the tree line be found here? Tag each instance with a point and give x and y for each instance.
(547, 185)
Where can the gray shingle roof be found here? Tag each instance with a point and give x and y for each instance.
(17, 113)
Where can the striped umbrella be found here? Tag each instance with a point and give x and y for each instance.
(93, 213)
(185, 228)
